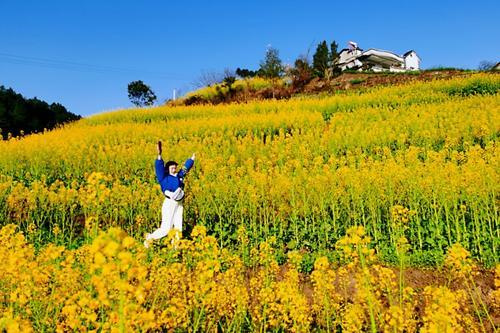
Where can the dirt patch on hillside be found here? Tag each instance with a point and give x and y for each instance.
(346, 81)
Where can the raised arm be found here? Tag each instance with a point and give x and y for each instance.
(159, 165)
(187, 166)
(158, 148)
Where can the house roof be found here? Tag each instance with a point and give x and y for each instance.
(381, 57)
(349, 50)
(382, 53)
(407, 53)
(375, 56)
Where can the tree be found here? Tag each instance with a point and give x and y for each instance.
(334, 57)
(140, 94)
(301, 72)
(4, 120)
(486, 65)
(20, 115)
(244, 73)
(271, 67)
(321, 59)
(228, 83)
(208, 78)
(334, 53)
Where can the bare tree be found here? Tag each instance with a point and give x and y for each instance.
(229, 73)
(208, 78)
(486, 65)
(301, 73)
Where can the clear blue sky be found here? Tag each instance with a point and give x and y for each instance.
(84, 53)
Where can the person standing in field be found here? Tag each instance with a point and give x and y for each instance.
(172, 187)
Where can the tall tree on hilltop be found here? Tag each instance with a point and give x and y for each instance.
(140, 94)
(320, 59)
(271, 67)
(334, 56)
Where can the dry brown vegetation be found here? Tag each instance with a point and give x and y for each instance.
(344, 82)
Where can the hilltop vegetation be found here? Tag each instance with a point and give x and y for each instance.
(275, 80)
(258, 88)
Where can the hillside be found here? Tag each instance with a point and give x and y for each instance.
(244, 90)
(254, 148)
(366, 80)
(302, 214)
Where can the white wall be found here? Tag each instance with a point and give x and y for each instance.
(412, 62)
(346, 56)
(351, 64)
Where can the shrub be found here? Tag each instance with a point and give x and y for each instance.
(477, 87)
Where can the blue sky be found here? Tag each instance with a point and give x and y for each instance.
(83, 54)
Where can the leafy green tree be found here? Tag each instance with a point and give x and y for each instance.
(140, 94)
(334, 56)
(243, 72)
(321, 59)
(334, 53)
(4, 123)
(271, 67)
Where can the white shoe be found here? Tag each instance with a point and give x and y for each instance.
(147, 242)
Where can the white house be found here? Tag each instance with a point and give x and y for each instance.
(377, 60)
(412, 61)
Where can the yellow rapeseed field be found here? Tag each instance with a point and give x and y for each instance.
(291, 209)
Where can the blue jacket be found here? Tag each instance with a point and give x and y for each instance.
(170, 182)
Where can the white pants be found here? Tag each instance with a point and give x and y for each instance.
(171, 217)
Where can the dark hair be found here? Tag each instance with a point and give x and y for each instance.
(168, 164)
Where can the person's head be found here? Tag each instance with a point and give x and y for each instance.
(171, 167)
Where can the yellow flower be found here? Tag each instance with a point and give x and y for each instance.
(458, 262)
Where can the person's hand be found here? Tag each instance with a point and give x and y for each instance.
(192, 157)
(159, 147)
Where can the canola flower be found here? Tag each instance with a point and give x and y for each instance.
(302, 170)
(249, 84)
(114, 284)
(404, 171)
